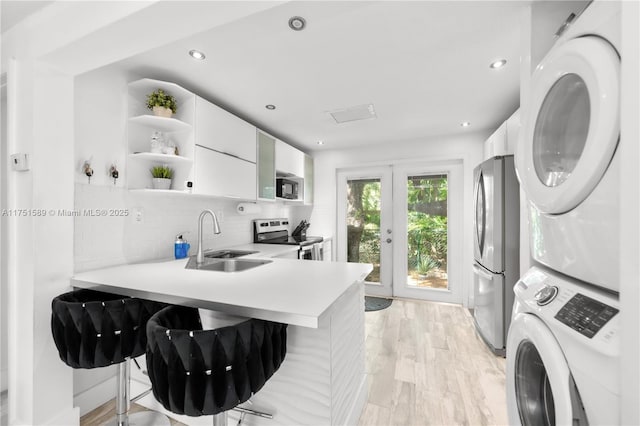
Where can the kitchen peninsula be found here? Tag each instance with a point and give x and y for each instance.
(322, 380)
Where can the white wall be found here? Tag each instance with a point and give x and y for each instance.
(468, 149)
(629, 213)
(4, 285)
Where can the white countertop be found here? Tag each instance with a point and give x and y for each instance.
(289, 291)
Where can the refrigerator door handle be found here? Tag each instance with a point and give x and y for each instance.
(483, 272)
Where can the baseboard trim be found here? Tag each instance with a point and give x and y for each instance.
(95, 396)
(70, 417)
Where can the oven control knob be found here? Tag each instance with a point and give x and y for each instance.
(545, 295)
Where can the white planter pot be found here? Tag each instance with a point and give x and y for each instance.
(162, 112)
(161, 183)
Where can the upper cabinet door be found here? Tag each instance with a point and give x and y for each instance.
(221, 175)
(289, 160)
(266, 166)
(308, 179)
(224, 132)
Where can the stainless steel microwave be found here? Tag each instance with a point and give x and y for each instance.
(286, 188)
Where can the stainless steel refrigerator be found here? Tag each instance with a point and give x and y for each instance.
(496, 248)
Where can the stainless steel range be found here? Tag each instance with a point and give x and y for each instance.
(276, 231)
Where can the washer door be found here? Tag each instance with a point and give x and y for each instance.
(572, 127)
(540, 388)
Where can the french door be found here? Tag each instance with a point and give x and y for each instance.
(406, 220)
(365, 224)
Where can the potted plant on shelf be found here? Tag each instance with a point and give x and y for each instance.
(161, 103)
(161, 177)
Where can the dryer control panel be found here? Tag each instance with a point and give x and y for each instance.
(585, 315)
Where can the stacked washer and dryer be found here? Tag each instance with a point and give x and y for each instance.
(563, 341)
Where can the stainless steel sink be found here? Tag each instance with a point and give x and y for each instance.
(227, 254)
(226, 265)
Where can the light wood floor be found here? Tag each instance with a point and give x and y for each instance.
(426, 366)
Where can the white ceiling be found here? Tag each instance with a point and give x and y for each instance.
(423, 64)
(13, 11)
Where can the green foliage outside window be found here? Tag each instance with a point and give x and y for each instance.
(426, 222)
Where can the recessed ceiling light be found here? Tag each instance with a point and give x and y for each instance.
(320, 142)
(269, 106)
(498, 64)
(196, 54)
(297, 23)
(465, 124)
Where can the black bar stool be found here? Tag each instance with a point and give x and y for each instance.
(92, 329)
(208, 372)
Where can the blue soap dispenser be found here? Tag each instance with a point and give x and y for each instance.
(181, 247)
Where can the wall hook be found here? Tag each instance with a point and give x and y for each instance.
(86, 168)
(114, 173)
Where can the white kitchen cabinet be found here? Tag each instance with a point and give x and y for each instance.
(308, 180)
(220, 175)
(224, 132)
(503, 141)
(266, 166)
(513, 131)
(289, 160)
(141, 126)
(497, 142)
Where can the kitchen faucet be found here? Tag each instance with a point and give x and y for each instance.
(216, 230)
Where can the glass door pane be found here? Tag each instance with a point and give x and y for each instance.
(561, 130)
(266, 167)
(427, 231)
(363, 224)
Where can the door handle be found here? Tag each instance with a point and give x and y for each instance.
(388, 231)
(388, 240)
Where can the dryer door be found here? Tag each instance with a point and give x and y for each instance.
(572, 127)
(540, 388)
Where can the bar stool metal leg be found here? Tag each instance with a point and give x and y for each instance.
(123, 403)
(122, 393)
(220, 419)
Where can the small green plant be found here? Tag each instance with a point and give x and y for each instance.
(161, 172)
(162, 99)
(426, 264)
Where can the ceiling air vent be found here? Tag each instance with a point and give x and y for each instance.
(360, 112)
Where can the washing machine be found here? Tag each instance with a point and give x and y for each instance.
(563, 352)
(566, 158)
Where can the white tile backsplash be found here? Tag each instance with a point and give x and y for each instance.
(112, 240)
